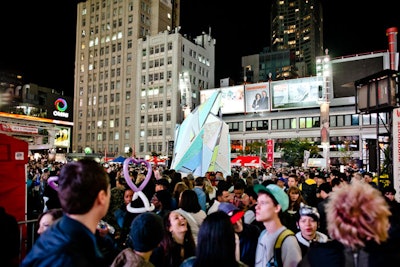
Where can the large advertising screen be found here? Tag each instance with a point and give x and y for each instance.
(232, 98)
(296, 93)
(257, 97)
(63, 137)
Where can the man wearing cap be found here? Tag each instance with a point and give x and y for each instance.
(146, 233)
(248, 233)
(271, 201)
(308, 224)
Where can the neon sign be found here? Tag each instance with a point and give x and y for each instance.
(61, 106)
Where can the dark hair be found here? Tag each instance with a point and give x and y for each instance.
(250, 192)
(55, 213)
(199, 181)
(221, 187)
(216, 241)
(335, 182)
(189, 201)
(172, 250)
(79, 185)
(239, 185)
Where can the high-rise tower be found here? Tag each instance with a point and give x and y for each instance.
(129, 65)
(296, 25)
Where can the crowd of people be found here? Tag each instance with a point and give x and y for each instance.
(275, 217)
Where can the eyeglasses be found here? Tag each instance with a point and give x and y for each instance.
(389, 193)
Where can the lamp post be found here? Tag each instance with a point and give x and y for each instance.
(324, 71)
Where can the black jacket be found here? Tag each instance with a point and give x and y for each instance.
(66, 243)
(335, 254)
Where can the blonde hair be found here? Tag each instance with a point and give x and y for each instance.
(140, 178)
(357, 212)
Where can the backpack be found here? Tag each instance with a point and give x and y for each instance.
(276, 260)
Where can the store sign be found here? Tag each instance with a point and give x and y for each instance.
(61, 106)
(7, 127)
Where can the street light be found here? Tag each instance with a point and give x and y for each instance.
(323, 67)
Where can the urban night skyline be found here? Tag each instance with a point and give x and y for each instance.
(40, 44)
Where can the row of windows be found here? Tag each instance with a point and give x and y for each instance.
(156, 49)
(307, 122)
(157, 146)
(337, 143)
(92, 88)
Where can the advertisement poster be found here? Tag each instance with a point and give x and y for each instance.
(232, 98)
(296, 93)
(257, 97)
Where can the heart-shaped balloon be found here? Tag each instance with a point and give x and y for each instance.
(52, 182)
(138, 191)
(128, 178)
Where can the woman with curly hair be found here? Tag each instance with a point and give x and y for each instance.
(358, 223)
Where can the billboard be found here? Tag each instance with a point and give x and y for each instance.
(62, 137)
(346, 71)
(296, 93)
(232, 98)
(257, 97)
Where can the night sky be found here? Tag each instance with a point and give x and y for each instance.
(38, 37)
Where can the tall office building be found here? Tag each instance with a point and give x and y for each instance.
(130, 66)
(296, 25)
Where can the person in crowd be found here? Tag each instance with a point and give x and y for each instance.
(324, 191)
(37, 200)
(178, 189)
(308, 225)
(222, 195)
(190, 208)
(217, 243)
(84, 193)
(116, 200)
(162, 202)
(210, 191)
(271, 202)
(308, 189)
(201, 195)
(356, 176)
(50, 199)
(249, 202)
(248, 233)
(291, 215)
(358, 223)
(123, 219)
(281, 183)
(177, 243)
(389, 193)
(10, 239)
(47, 218)
(238, 191)
(368, 178)
(146, 232)
(293, 180)
(164, 184)
(189, 180)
